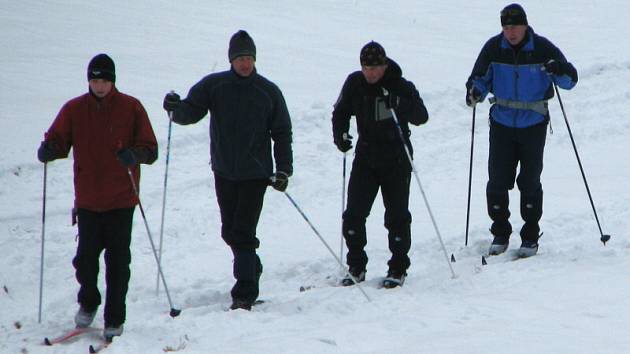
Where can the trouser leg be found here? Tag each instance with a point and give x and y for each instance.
(86, 260)
(362, 189)
(241, 203)
(531, 150)
(395, 191)
(502, 162)
(118, 224)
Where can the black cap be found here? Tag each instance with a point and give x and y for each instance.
(513, 14)
(101, 67)
(373, 54)
(241, 44)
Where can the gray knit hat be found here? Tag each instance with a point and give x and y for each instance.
(241, 44)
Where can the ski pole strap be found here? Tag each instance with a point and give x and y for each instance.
(541, 107)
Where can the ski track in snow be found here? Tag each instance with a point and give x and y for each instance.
(570, 298)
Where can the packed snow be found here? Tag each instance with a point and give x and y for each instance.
(573, 297)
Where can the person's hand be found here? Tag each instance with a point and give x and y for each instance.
(390, 99)
(47, 152)
(554, 68)
(280, 181)
(171, 101)
(473, 96)
(343, 142)
(127, 157)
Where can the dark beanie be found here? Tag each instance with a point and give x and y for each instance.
(101, 67)
(513, 14)
(373, 54)
(241, 44)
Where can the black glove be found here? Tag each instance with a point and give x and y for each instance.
(472, 96)
(127, 157)
(555, 68)
(343, 142)
(280, 181)
(391, 100)
(171, 101)
(47, 152)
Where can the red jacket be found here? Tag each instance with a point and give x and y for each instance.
(97, 130)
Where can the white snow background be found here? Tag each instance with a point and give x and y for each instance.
(573, 297)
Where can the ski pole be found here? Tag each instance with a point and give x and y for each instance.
(472, 144)
(415, 173)
(174, 312)
(326, 244)
(343, 205)
(603, 238)
(168, 153)
(41, 267)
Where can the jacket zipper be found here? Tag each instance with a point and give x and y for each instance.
(516, 78)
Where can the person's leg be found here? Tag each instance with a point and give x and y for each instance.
(394, 182)
(362, 189)
(117, 224)
(531, 151)
(502, 163)
(247, 265)
(86, 260)
(227, 197)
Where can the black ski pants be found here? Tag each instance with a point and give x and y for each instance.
(365, 181)
(509, 147)
(110, 231)
(240, 203)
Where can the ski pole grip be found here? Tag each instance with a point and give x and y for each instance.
(170, 114)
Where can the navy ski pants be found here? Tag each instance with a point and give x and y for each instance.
(240, 203)
(510, 147)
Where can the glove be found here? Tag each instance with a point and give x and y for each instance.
(391, 100)
(343, 142)
(171, 101)
(47, 152)
(127, 157)
(472, 96)
(280, 181)
(553, 67)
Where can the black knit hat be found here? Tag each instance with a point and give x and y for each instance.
(241, 44)
(101, 67)
(513, 14)
(373, 54)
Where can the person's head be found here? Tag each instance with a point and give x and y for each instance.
(514, 23)
(101, 74)
(242, 53)
(373, 62)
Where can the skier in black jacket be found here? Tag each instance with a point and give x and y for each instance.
(247, 113)
(380, 159)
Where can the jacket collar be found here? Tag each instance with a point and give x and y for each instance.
(529, 41)
(105, 100)
(243, 80)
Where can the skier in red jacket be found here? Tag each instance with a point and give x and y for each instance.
(110, 133)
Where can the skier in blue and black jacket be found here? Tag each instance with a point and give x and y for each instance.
(519, 68)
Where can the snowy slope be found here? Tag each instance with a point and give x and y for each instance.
(571, 298)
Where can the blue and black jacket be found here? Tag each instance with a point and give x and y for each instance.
(517, 75)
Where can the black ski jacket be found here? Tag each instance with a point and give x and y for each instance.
(379, 140)
(246, 114)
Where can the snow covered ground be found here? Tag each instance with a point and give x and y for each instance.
(573, 297)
